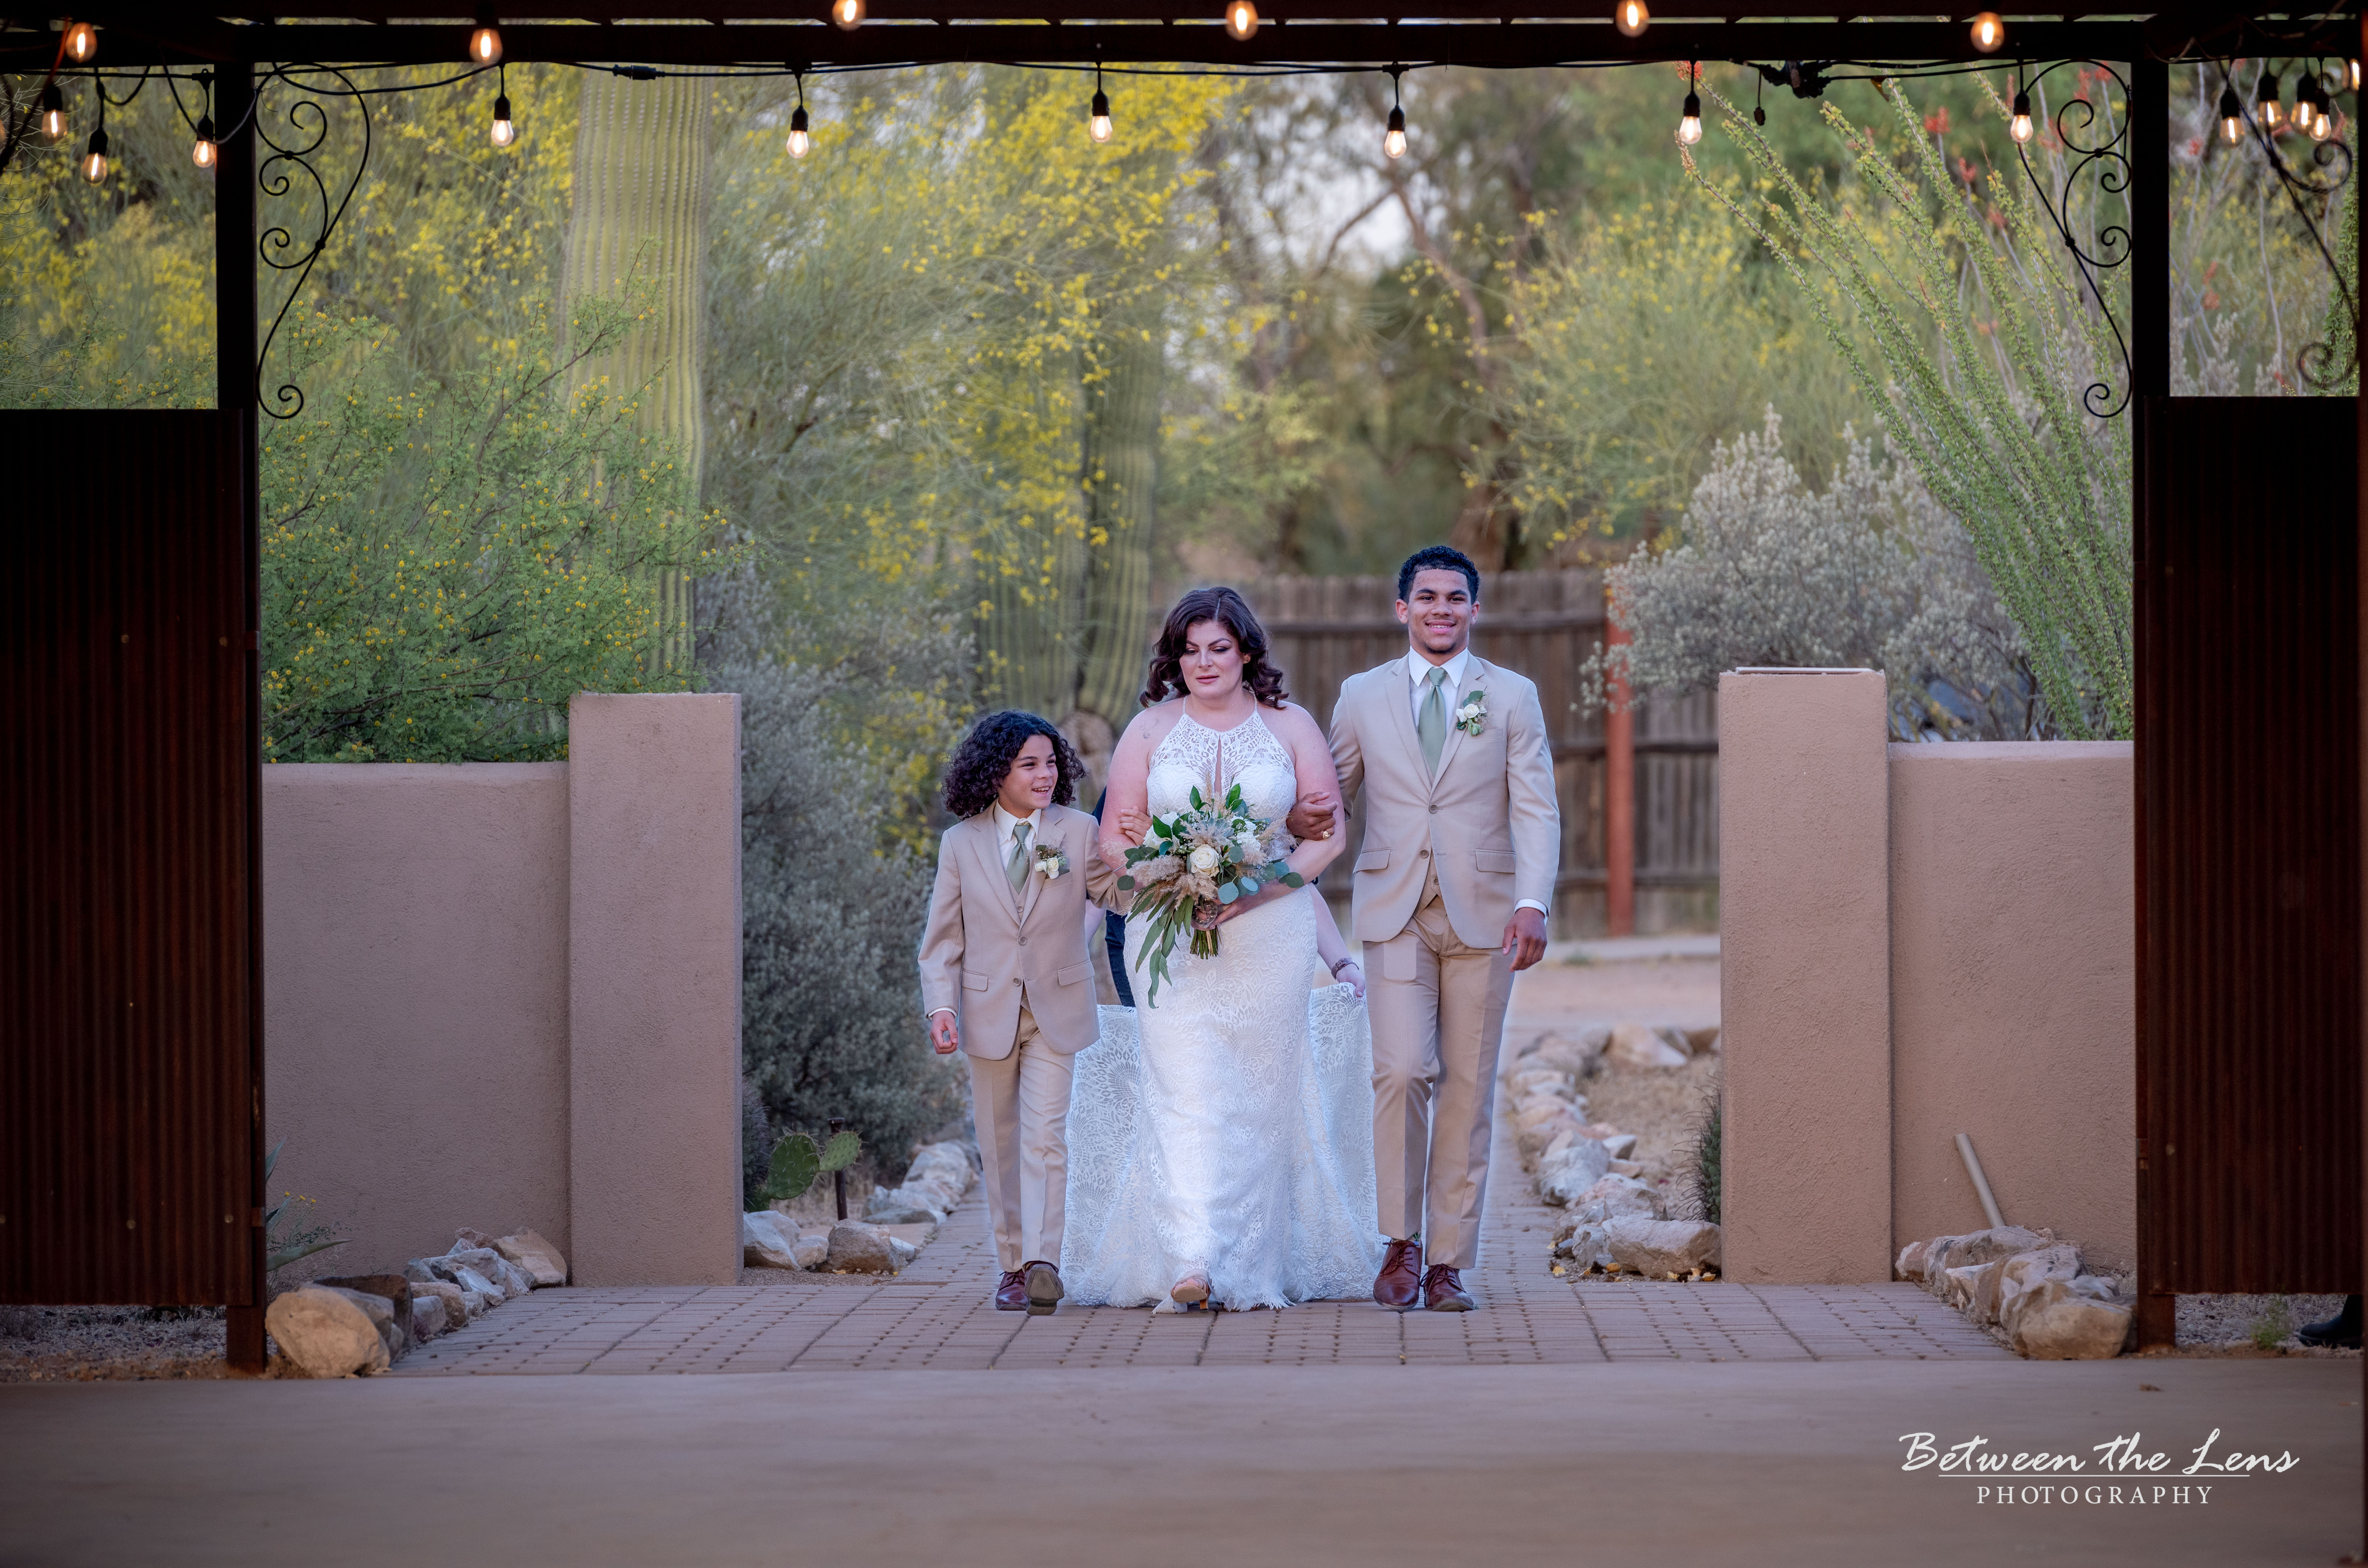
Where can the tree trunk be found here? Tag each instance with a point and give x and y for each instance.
(1120, 469)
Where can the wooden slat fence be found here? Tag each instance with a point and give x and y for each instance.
(1545, 624)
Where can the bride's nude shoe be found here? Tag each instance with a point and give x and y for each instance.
(1191, 1290)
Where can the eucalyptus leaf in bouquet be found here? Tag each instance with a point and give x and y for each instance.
(1191, 865)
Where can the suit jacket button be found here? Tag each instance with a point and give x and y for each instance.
(1434, 811)
(1422, 854)
(1023, 941)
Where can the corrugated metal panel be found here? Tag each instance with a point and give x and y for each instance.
(2249, 847)
(128, 1039)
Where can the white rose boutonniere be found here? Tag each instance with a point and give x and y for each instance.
(1051, 864)
(1472, 713)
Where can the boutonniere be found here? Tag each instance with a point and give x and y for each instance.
(1472, 713)
(1051, 864)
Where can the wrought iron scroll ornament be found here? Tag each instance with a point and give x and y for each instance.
(2333, 157)
(2110, 158)
(276, 175)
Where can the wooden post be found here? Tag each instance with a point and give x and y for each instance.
(235, 334)
(1619, 794)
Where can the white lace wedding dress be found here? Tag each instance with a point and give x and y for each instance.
(1231, 1126)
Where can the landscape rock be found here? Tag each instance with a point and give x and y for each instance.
(1616, 1197)
(396, 1291)
(1535, 1134)
(1944, 1253)
(1634, 1047)
(1582, 1240)
(429, 1316)
(534, 1257)
(2064, 1320)
(769, 1240)
(812, 1251)
(1704, 1042)
(1955, 1286)
(2025, 1271)
(1657, 1249)
(903, 1251)
(1580, 1163)
(468, 1240)
(1621, 1145)
(488, 1272)
(1577, 1057)
(857, 1248)
(472, 1283)
(1910, 1265)
(456, 1309)
(1531, 1082)
(327, 1334)
(475, 1304)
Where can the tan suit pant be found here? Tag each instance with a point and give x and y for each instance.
(1438, 1014)
(1021, 1103)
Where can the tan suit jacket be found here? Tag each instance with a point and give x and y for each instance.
(986, 955)
(1489, 819)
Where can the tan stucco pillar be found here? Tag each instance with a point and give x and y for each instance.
(654, 988)
(1804, 936)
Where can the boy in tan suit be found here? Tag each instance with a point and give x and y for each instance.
(1007, 979)
(1452, 882)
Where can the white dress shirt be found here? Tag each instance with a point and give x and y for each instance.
(1419, 669)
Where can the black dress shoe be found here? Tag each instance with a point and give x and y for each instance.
(2340, 1332)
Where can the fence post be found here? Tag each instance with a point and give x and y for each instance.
(1618, 793)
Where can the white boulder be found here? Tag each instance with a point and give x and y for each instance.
(328, 1332)
(429, 1315)
(2068, 1320)
(812, 1251)
(1617, 1197)
(769, 1240)
(1577, 1164)
(1657, 1249)
(902, 1251)
(1635, 1047)
(534, 1258)
(857, 1248)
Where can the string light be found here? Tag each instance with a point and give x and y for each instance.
(205, 154)
(2020, 127)
(82, 43)
(2352, 73)
(1989, 32)
(93, 166)
(1689, 123)
(2232, 113)
(799, 142)
(1098, 123)
(503, 131)
(485, 46)
(2310, 107)
(53, 113)
(1393, 137)
(1241, 20)
(2266, 107)
(847, 13)
(1631, 18)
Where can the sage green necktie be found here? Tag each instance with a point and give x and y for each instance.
(1017, 870)
(1432, 725)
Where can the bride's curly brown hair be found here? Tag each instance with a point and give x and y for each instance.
(1233, 612)
(986, 754)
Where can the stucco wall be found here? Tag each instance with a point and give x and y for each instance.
(2013, 988)
(416, 999)
(509, 995)
(1804, 977)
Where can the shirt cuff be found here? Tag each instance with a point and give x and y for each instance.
(934, 1012)
(1533, 903)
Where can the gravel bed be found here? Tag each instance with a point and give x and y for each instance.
(2230, 1322)
(90, 1344)
(1665, 1108)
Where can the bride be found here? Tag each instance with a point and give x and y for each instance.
(1220, 1148)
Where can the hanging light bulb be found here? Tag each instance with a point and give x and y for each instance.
(504, 130)
(847, 13)
(2266, 107)
(2322, 123)
(1690, 123)
(2232, 114)
(485, 46)
(1989, 32)
(2020, 127)
(1394, 143)
(1631, 18)
(2305, 100)
(94, 162)
(1241, 20)
(82, 42)
(53, 113)
(2351, 73)
(800, 143)
(205, 155)
(1097, 119)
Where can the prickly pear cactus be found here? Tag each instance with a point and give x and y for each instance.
(841, 1151)
(796, 1163)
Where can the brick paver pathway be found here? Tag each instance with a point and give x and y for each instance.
(937, 1315)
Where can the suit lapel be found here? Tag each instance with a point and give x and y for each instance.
(1400, 690)
(984, 840)
(1473, 670)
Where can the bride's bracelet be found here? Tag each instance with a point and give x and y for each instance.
(1343, 964)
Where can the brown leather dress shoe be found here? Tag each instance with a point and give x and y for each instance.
(1011, 1291)
(1399, 1284)
(1442, 1290)
(1044, 1288)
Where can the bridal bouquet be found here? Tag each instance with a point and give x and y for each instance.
(1192, 865)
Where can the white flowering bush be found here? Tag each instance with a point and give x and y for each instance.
(1870, 572)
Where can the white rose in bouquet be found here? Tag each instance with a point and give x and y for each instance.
(1203, 859)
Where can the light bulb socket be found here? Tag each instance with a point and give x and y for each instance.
(798, 118)
(1100, 109)
(2265, 101)
(2229, 108)
(1397, 120)
(1693, 106)
(501, 106)
(2022, 105)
